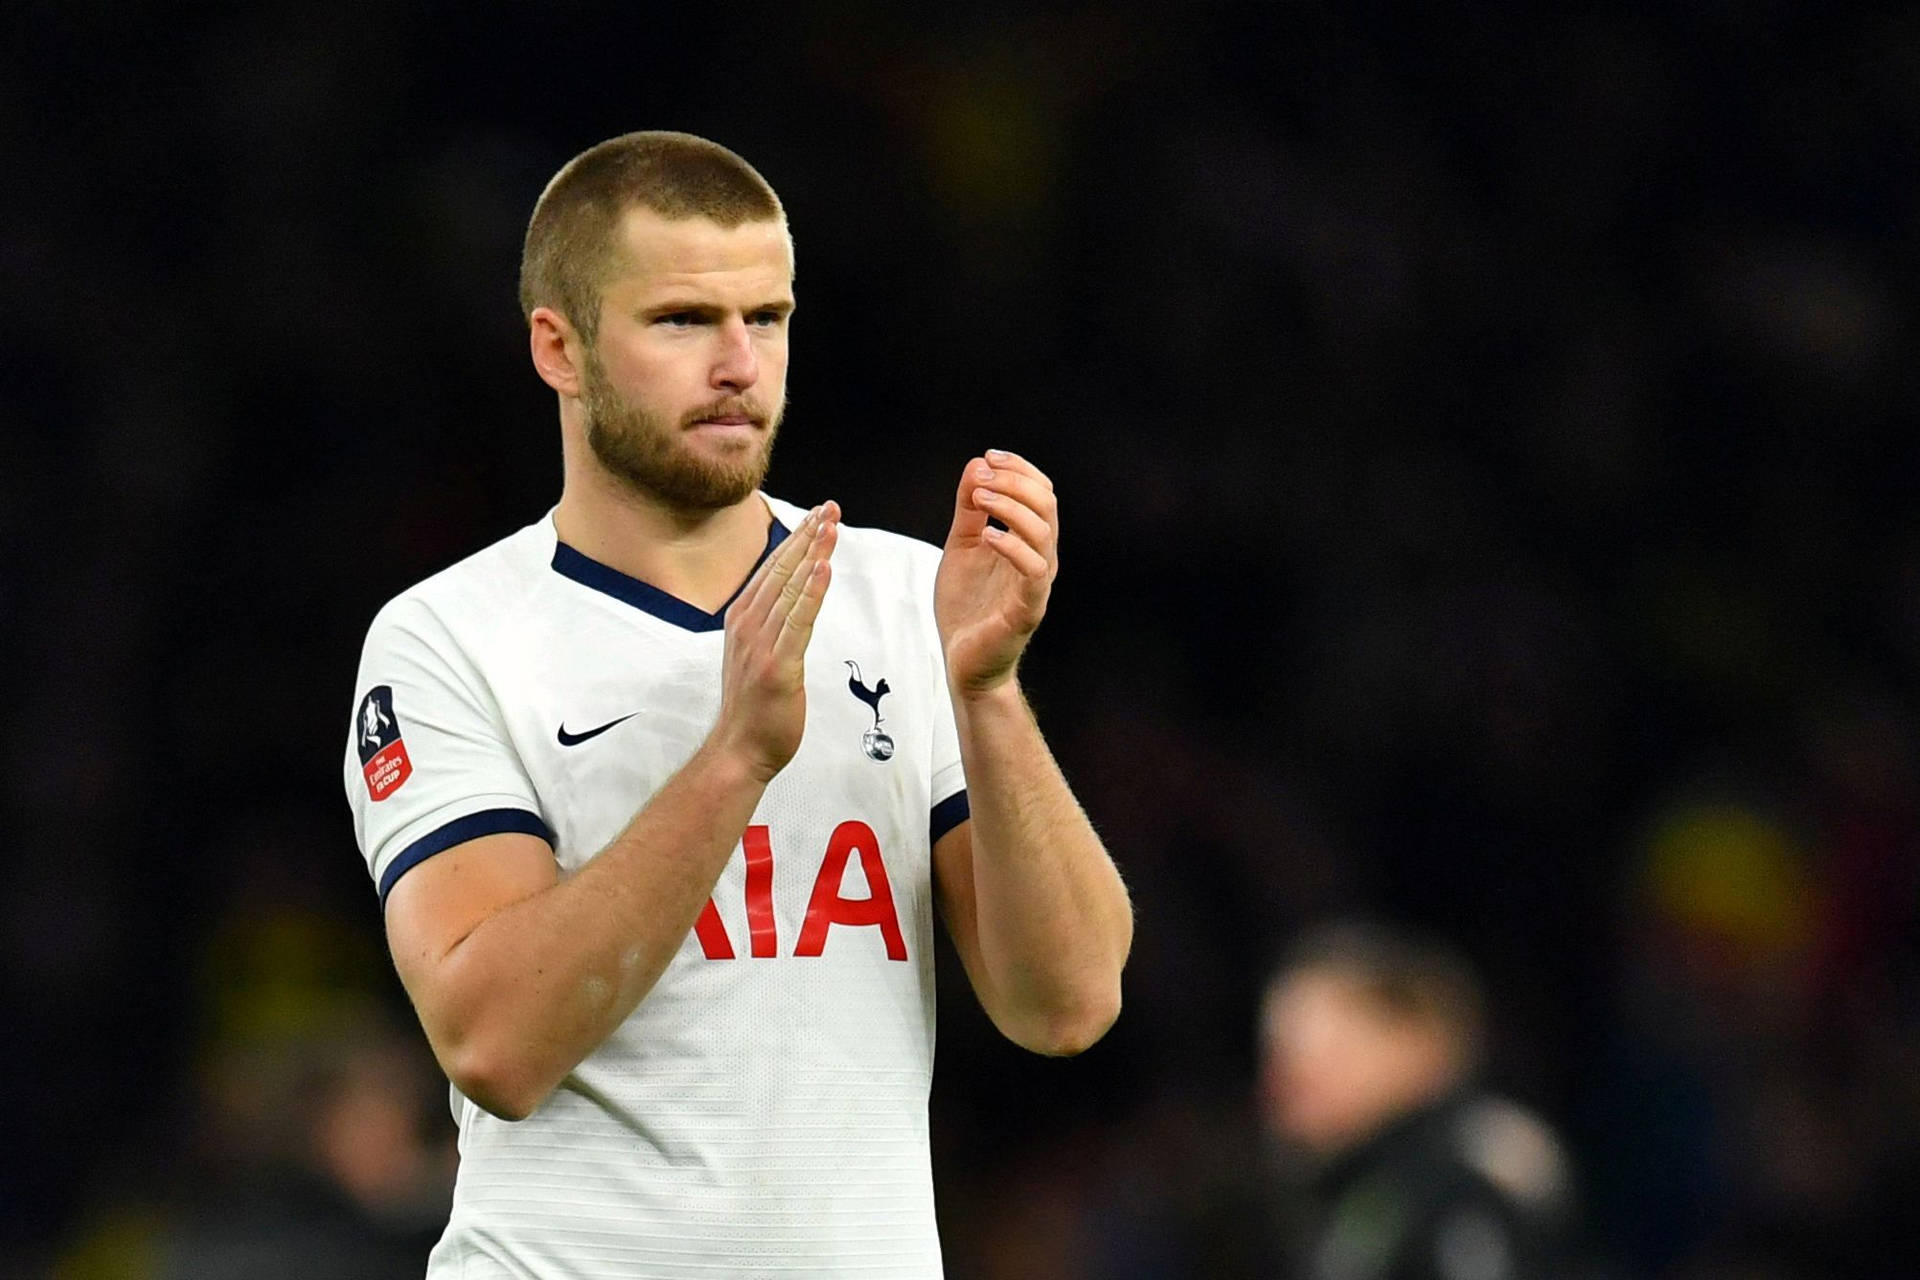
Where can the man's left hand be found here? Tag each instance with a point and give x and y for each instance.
(992, 588)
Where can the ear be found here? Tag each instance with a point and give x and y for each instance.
(557, 350)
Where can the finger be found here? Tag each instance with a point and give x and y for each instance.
(1004, 459)
(763, 587)
(968, 519)
(791, 645)
(825, 536)
(1033, 528)
(1016, 552)
(1020, 488)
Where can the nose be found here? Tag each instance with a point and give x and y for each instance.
(736, 365)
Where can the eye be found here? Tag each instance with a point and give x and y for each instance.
(677, 319)
(767, 319)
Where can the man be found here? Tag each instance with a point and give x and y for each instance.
(659, 873)
(1370, 1043)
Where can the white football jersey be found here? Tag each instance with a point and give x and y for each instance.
(763, 1112)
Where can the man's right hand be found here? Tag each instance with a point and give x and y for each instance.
(763, 688)
(517, 971)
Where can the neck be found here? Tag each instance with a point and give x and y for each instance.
(701, 557)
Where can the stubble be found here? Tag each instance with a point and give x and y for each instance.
(646, 452)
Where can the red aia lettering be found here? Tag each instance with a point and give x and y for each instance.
(712, 934)
(825, 908)
(760, 926)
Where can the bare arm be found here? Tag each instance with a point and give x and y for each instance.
(1035, 906)
(518, 973)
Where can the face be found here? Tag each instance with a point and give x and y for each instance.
(1336, 1067)
(685, 383)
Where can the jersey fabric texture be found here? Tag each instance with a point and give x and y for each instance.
(763, 1111)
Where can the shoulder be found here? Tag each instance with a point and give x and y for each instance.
(471, 594)
(1513, 1151)
(1502, 1197)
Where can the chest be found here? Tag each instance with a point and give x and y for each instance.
(614, 703)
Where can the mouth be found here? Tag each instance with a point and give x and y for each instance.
(727, 420)
(732, 433)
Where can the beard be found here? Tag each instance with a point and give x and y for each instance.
(644, 450)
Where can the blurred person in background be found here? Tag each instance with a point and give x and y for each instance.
(1404, 1168)
(322, 1163)
(314, 1142)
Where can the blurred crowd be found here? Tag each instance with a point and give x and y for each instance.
(1486, 447)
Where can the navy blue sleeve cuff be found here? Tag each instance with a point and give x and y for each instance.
(487, 822)
(948, 814)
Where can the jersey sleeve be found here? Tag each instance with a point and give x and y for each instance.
(429, 764)
(949, 786)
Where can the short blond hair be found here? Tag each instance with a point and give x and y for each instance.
(572, 239)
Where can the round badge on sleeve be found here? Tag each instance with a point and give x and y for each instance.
(383, 752)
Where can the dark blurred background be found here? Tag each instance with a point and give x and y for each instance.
(1486, 447)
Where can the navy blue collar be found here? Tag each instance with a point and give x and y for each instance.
(663, 605)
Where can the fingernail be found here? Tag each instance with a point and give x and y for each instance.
(998, 455)
(986, 495)
(983, 474)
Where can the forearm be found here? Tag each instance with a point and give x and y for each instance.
(518, 975)
(1053, 920)
(537, 986)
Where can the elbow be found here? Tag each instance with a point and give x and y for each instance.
(1072, 1029)
(495, 1083)
(501, 1104)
